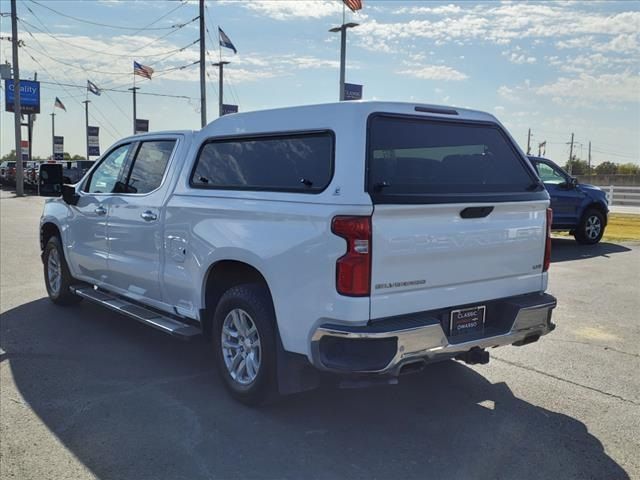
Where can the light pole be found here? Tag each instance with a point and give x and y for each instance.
(135, 114)
(343, 51)
(220, 66)
(86, 124)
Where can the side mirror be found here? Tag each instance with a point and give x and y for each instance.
(69, 194)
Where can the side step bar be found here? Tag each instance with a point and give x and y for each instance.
(144, 315)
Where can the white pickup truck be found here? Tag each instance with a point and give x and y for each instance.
(365, 239)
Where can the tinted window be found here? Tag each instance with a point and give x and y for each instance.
(292, 162)
(149, 166)
(105, 177)
(549, 174)
(420, 157)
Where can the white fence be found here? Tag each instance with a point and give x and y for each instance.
(619, 195)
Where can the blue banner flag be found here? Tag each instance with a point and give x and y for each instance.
(226, 41)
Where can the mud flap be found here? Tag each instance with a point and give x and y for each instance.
(295, 373)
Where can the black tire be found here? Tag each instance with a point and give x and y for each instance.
(585, 233)
(62, 294)
(254, 299)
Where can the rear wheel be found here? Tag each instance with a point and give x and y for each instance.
(57, 277)
(591, 228)
(244, 339)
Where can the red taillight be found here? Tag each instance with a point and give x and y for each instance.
(547, 245)
(353, 269)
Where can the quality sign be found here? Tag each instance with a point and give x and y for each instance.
(29, 96)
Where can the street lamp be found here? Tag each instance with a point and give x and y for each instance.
(343, 51)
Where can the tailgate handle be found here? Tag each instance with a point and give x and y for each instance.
(476, 212)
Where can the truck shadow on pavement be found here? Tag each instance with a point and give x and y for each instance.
(129, 402)
(565, 249)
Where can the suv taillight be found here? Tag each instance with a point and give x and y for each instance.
(353, 269)
(547, 245)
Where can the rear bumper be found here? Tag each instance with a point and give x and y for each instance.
(386, 346)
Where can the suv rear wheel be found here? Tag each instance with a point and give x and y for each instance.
(57, 277)
(244, 339)
(591, 228)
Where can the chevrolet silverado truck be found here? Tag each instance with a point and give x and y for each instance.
(360, 239)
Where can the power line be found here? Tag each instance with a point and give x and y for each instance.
(115, 135)
(121, 27)
(184, 97)
(157, 73)
(102, 52)
(621, 155)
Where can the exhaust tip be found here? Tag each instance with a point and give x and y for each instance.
(413, 367)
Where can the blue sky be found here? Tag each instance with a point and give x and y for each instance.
(556, 68)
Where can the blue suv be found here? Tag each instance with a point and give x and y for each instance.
(580, 208)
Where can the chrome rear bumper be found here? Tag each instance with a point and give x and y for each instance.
(421, 337)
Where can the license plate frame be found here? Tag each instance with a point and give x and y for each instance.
(467, 320)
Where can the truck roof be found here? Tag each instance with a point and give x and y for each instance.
(330, 115)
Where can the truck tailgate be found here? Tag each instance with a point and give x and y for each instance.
(426, 256)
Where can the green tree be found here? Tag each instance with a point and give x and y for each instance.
(607, 168)
(9, 157)
(77, 157)
(577, 166)
(629, 169)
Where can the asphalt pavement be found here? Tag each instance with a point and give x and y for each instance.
(85, 393)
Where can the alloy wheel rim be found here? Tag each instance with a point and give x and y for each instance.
(54, 272)
(593, 227)
(241, 347)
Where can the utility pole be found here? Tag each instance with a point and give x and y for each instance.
(30, 119)
(571, 155)
(86, 124)
(17, 110)
(203, 90)
(589, 157)
(220, 66)
(53, 136)
(343, 50)
(529, 143)
(135, 115)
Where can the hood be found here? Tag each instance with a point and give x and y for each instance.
(592, 190)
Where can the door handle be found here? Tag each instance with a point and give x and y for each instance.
(148, 216)
(100, 210)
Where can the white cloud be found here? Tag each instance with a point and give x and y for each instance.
(434, 72)
(506, 23)
(519, 58)
(440, 10)
(288, 9)
(594, 89)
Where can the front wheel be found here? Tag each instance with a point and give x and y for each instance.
(57, 277)
(591, 228)
(244, 339)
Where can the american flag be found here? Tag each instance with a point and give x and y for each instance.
(58, 103)
(353, 5)
(141, 70)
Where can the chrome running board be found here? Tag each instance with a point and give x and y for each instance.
(144, 315)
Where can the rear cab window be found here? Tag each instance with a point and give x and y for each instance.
(418, 160)
(288, 162)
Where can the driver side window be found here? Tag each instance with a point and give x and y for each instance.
(549, 174)
(106, 175)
